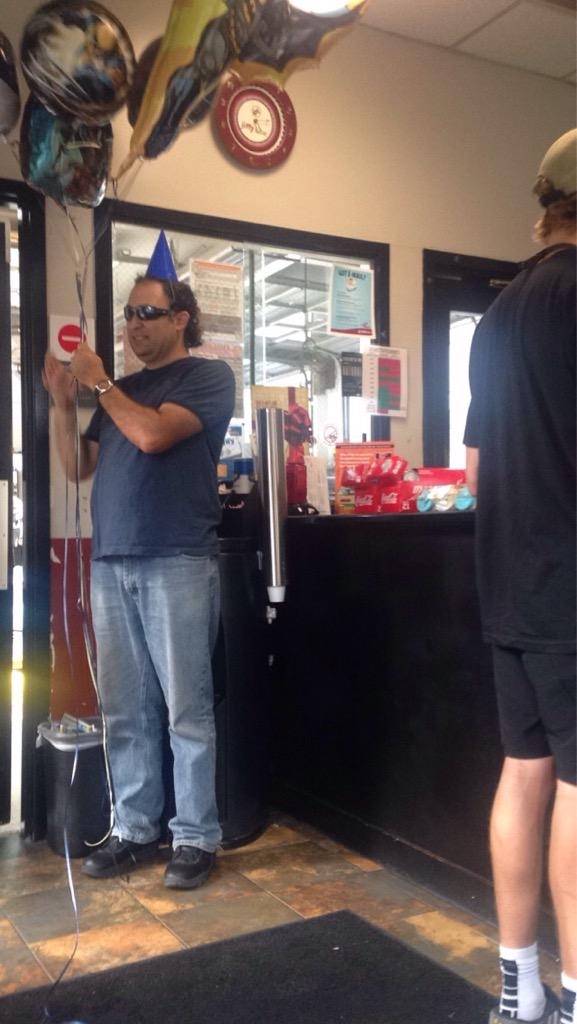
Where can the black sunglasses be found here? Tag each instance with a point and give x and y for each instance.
(146, 312)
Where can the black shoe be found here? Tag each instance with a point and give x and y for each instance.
(188, 868)
(550, 1014)
(117, 857)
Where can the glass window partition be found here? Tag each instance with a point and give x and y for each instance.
(265, 306)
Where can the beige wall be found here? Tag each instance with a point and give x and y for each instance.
(397, 142)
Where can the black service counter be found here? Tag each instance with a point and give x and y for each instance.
(385, 714)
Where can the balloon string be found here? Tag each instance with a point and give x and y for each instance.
(81, 256)
(83, 606)
(135, 163)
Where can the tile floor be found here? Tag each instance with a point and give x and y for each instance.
(292, 871)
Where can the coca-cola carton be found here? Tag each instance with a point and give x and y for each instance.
(351, 464)
(383, 473)
(367, 499)
(401, 497)
(441, 486)
(436, 476)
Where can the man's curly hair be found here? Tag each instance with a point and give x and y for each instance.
(181, 297)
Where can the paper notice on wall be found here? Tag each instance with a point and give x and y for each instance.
(265, 396)
(351, 302)
(385, 381)
(351, 374)
(219, 291)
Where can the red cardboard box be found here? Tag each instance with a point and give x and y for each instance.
(402, 497)
(431, 476)
(350, 459)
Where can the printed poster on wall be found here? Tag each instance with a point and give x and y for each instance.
(351, 374)
(351, 302)
(219, 291)
(385, 381)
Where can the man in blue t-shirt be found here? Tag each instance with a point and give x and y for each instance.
(153, 445)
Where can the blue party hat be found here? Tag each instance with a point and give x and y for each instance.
(161, 264)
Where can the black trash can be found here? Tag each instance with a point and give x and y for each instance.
(77, 800)
(242, 694)
(241, 698)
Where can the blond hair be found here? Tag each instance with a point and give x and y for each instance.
(559, 216)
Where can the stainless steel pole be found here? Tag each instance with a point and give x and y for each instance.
(272, 486)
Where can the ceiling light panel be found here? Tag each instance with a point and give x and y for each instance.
(441, 23)
(536, 37)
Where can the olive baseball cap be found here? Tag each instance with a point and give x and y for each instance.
(557, 174)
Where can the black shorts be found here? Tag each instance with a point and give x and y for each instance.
(537, 708)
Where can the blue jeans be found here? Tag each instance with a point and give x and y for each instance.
(155, 622)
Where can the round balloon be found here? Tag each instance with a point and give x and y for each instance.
(9, 93)
(78, 60)
(66, 160)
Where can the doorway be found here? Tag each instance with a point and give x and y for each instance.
(457, 291)
(11, 517)
(24, 503)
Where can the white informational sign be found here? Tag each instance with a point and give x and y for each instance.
(385, 380)
(65, 335)
(351, 302)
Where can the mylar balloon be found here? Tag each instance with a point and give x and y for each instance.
(78, 59)
(66, 160)
(201, 39)
(140, 81)
(9, 93)
(286, 38)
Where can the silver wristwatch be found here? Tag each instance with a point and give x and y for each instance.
(103, 386)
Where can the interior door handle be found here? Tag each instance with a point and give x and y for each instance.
(4, 535)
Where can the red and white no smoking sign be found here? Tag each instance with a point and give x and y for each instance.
(66, 335)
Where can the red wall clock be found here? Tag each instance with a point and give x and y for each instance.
(256, 122)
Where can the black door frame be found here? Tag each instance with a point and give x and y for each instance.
(451, 282)
(6, 593)
(35, 468)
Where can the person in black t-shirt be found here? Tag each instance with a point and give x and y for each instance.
(520, 440)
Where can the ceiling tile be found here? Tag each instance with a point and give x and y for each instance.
(531, 36)
(442, 22)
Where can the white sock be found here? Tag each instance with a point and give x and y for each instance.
(568, 1000)
(522, 994)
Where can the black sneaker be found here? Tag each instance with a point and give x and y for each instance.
(188, 868)
(550, 1013)
(117, 857)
